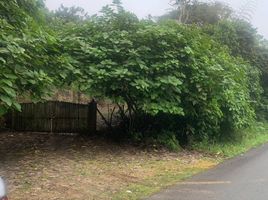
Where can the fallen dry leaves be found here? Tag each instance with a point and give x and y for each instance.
(42, 166)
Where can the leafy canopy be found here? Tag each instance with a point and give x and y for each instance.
(29, 53)
(161, 68)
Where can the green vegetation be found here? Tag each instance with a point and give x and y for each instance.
(200, 13)
(155, 184)
(195, 78)
(239, 143)
(29, 53)
(169, 75)
(177, 84)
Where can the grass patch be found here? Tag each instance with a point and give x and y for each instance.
(162, 179)
(244, 141)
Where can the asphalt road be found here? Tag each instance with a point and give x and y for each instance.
(241, 178)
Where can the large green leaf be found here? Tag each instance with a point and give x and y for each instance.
(6, 100)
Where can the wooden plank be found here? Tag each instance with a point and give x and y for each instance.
(58, 116)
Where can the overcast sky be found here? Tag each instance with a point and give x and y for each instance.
(143, 8)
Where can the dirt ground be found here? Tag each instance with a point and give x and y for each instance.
(42, 166)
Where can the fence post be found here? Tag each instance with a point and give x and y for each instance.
(13, 120)
(92, 117)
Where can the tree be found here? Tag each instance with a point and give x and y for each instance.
(243, 41)
(173, 76)
(233, 30)
(73, 14)
(164, 69)
(195, 12)
(182, 9)
(29, 53)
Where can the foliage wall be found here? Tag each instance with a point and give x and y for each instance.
(30, 57)
(162, 69)
(172, 77)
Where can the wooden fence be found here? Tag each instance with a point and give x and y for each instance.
(53, 116)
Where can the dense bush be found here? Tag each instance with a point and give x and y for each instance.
(178, 81)
(30, 57)
(162, 69)
(243, 41)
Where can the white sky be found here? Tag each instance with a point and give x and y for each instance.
(143, 8)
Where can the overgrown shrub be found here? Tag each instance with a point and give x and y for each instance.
(30, 59)
(162, 69)
(174, 79)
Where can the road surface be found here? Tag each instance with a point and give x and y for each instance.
(242, 178)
